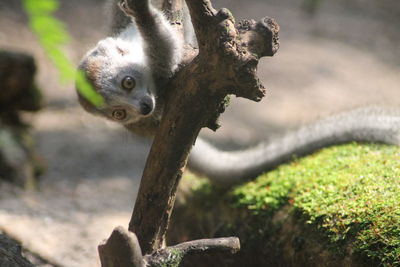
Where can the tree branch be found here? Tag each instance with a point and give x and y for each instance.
(195, 98)
(122, 249)
(224, 244)
(175, 254)
(196, 95)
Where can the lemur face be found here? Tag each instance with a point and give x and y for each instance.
(120, 75)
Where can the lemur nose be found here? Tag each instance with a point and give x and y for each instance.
(146, 106)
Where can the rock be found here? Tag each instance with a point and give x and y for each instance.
(10, 254)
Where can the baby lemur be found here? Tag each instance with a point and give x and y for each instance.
(130, 68)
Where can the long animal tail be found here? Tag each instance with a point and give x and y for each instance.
(372, 124)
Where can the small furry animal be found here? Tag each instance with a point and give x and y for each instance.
(130, 68)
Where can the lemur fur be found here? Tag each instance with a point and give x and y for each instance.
(150, 53)
(130, 67)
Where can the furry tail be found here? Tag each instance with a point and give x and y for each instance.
(362, 125)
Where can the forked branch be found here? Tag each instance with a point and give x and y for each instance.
(226, 64)
(122, 249)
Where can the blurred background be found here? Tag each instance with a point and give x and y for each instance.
(334, 56)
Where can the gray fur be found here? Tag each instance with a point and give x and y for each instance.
(150, 53)
(162, 46)
(362, 125)
(119, 21)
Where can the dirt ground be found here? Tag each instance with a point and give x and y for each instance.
(346, 55)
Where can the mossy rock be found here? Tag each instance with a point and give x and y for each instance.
(337, 207)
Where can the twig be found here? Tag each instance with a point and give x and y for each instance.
(223, 244)
(174, 255)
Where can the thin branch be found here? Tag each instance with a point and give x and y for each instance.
(223, 244)
(175, 254)
(122, 249)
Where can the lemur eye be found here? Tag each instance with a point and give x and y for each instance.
(119, 114)
(128, 83)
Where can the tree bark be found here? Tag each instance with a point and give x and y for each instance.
(226, 64)
(122, 249)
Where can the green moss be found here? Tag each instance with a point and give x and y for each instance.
(351, 192)
(173, 260)
(203, 194)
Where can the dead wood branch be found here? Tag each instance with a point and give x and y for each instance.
(122, 249)
(226, 64)
(174, 255)
(196, 95)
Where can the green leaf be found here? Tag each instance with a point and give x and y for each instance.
(49, 29)
(87, 91)
(53, 35)
(39, 7)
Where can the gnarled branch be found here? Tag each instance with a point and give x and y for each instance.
(122, 249)
(226, 64)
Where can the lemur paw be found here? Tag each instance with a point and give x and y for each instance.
(123, 5)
